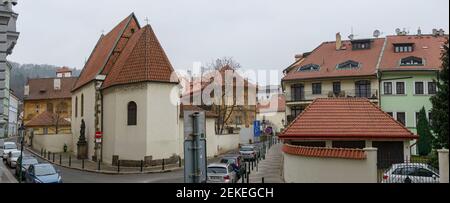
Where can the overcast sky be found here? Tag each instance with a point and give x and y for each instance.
(260, 34)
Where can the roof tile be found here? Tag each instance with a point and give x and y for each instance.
(325, 152)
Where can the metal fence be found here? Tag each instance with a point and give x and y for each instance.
(410, 170)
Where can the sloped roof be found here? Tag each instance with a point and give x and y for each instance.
(46, 119)
(339, 153)
(142, 60)
(101, 53)
(208, 114)
(427, 47)
(327, 57)
(347, 119)
(43, 88)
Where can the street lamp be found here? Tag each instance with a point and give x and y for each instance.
(22, 138)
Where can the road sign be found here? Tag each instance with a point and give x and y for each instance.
(257, 128)
(98, 137)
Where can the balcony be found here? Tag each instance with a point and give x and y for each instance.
(308, 96)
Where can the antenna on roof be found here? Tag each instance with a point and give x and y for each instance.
(147, 20)
(398, 31)
(419, 31)
(376, 33)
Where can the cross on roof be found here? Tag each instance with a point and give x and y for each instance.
(147, 20)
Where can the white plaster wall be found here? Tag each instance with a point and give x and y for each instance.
(274, 117)
(163, 120)
(128, 142)
(299, 169)
(211, 138)
(89, 117)
(226, 143)
(53, 143)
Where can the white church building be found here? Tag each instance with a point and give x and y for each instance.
(126, 91)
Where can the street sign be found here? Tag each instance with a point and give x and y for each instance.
(188, 124)
(257, 128)
(191, 175)
(98, 137)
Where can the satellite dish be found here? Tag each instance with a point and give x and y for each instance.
(376, 33)
(351, 37)
(435, 31)
(398, 30)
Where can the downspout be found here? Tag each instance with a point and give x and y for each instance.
(378, 72)
(101, 124)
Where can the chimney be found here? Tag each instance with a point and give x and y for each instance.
(298, 57)
(57, 84)
(338, 41)
(26, 90)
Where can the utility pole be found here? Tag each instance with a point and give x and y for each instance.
(195, 147)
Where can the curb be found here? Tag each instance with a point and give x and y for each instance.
(105, 172)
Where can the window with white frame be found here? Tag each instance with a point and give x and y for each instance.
(387, 88)
(401, 117)
(432, 87)
(400, 88)
(419, 88)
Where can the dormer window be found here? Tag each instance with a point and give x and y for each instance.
(309, 68)
(348, 65)
(361, 44)
(404, 48)
(412, 61)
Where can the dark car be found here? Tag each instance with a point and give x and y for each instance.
(26, 163)
(238, 161)
(42, 173)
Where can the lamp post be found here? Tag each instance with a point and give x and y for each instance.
(22, 138)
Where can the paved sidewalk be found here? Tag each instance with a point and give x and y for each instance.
(270, 168)
(5, 175)
(70, 161)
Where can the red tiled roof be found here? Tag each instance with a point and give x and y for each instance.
(327, 57)
(279, 101)
(63, 70)
(143, 59)
(346, 119)
(101, 53)
(208, 114)
(199, 84)
(43, 88)
(427, 47)
(325, 152)
(46, 119)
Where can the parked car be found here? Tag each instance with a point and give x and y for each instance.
(248, 152)
(411, 173)
(11, 161)
(221, 173)
(26, 163)
(7, 147)
(238, 161)
(42, 173)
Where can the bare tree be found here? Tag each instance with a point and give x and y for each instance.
(61, 108)
(225, 105)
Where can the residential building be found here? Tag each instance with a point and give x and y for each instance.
(342, 68)
(63, 72)
(350, 123)
(13, 120)
(8, 36)
(272, 113)
(236, 104)
(127, 91)
(46, 102)
(409, 75)
(266, 92)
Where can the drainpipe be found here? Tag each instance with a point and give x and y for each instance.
(101, 125)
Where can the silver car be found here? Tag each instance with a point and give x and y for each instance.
(411, 173)
(248, 152)
(11, 161)
(7, 147)
(221, 173)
